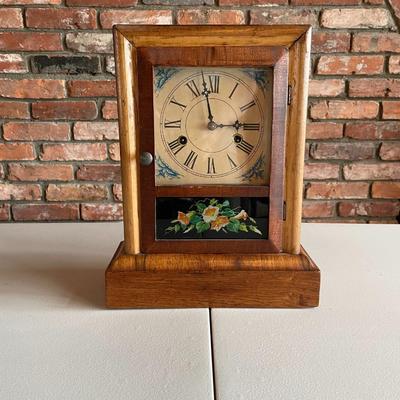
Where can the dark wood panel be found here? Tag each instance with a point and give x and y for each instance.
(147, 58)
(212, 190)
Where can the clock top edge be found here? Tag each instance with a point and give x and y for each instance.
(211, 35)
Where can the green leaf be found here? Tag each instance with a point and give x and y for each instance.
(252, 220)
(232, 227)
(200, 206)
(202, 226)
(177, 228)
(227, 212)
(189, 229)
(195, 219)
(169, 229)
(243, 228)
(255, 229)
(213, 202)
(174, 221)
(225, 203)
(190, 214)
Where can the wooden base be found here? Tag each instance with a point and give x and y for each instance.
(211, 280)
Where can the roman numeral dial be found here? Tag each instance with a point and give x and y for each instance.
(211, 124)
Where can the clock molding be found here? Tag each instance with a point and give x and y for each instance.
(282, 275)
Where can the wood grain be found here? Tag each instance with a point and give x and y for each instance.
(168, 281)
(198, 35)
(299, 67)
(129, 139)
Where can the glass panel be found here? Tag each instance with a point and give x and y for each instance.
(212, 125)
(211, 218)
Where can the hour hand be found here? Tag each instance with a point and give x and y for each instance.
(235, 125)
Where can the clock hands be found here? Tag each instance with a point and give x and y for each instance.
(211, 124)
(235, 125)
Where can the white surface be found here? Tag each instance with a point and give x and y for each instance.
(347, 349)
(56, 341)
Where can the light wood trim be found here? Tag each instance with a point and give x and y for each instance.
(197, 35)
(127, 112)
(299, 68)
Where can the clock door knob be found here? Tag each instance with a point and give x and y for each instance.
(146, 158)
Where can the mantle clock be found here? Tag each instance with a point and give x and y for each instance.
(212, 133)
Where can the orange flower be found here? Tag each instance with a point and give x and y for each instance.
(183, 218)
(219, 223)
(210, 213)
(242, 215)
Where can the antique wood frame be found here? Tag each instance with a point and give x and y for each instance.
(286, 279)
(275, 57)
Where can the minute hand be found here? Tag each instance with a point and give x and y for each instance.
(205, 94)
(235, 125)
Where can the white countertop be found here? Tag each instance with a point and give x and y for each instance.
(58, 342)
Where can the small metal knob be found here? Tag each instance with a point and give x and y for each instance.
(146, 158)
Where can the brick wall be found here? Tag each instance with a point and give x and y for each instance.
(59, 140)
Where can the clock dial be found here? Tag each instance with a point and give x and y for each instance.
(212, 125)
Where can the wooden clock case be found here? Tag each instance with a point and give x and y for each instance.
(146, 273)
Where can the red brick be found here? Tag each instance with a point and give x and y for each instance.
(84, 110)
(47, 131)
(102, 212)
(110, 109)
(32, 88)
(102, 3)
(152, 17)
(76, 192)
(325, 2)
(14, 109)
(12, 63)
(99, 172)
(317, 171)
(395, 4)
(391, 109)
(236, 3)
(45, 212)
(394, 64)
(17, 151)
(117, 192)
(345, 18)
(40, 172)
(318, 209)
(386, 190)
(11, 18)
(29, 2)
(212, 17)
(283, 16)
(18, 191)
(330, 42)
(371, 171)
(337, 109)
(98, 88)
(342, 151)
(114, 151)
(90, 42)
(324, 130)
(374, 88)
(326, 87)
(96, 131)
(390, 151)
(373, 209)
(349, 65)
(4, 212)
(389, 130)
(371, 131)
(30, 41)
(74, 152)
(336, 190)
(61, 18)
(376, 42)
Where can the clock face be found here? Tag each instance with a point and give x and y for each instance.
(212, 125)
